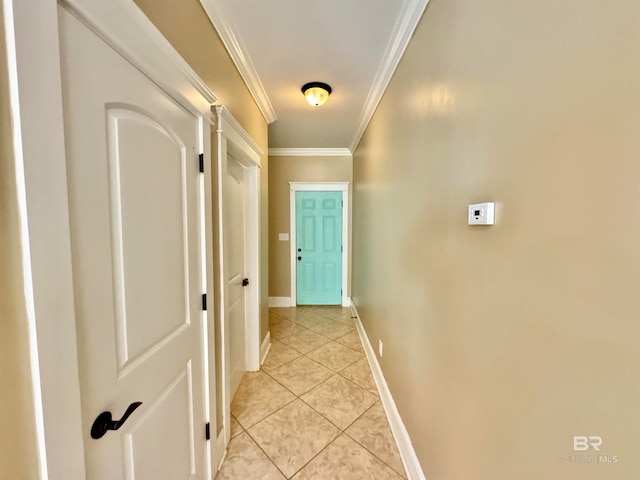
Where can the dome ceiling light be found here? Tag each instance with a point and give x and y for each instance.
(316, 93)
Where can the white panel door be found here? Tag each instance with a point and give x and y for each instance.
(234, 252)
(134, 193)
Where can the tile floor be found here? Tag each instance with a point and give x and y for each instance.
(312, 411)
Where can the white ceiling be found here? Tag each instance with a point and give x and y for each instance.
(279, 45)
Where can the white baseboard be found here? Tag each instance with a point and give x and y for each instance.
(286, 302)
(264, 348)
(221, 446)
(280, 301)
(405, 447)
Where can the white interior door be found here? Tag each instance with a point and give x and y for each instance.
(134, 197)
(234, 252)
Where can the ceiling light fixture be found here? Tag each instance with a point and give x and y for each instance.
(316, 93)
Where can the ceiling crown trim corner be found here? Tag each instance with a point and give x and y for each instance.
(309, 152)
(408, 19)
(227, 30)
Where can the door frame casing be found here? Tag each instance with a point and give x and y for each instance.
(233, 141)
(320, 187)
(39, 140)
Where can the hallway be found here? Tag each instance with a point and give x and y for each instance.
(312, 411)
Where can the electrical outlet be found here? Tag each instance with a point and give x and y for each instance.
(380, 347)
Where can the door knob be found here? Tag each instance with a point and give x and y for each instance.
(104, 422)
(299, 249)
(299, 258)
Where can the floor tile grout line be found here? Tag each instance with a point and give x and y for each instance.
(285, 363)
(316, 455)
(344, 431)
(304, 324)
(286, 336)
(325, 366)
(341, 431)
(402, 474)
(336, 340)
(317, 348)
(291, 335)
(353, 327)
(363, 446)
(294, 348)
(272, 413)
(334, 373)
(298, 358)
(359, 416)
(361, 386)
(283, 385)
(266, 454)
(279, 408)
(318, 412)
(298, 397)
(312, 331)
(239, 424)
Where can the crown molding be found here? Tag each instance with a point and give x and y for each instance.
(227, 30)
(408, 19)
(310, 152)
(152, 32)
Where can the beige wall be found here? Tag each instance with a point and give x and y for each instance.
(18, 454)
(283, 170)
(186, 25)
(501, 343)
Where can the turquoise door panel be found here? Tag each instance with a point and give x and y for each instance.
(319, 248)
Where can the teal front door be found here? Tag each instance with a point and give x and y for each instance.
(319, 248)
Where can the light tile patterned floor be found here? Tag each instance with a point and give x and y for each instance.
(312, 412)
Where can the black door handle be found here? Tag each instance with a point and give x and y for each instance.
(299, 249)
(299, 258)
(104, 422)
(245, 282)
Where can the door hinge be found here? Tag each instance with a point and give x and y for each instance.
(204, 301)
(201, 162)
(207, 431)
(245, 282)
(340, 292)
(341, 248)
(342, 203)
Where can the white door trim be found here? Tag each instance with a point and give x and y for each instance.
(320, 187)
(232, 139)
(33, 48)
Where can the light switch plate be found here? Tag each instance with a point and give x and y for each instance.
(283, 237)
(481, 213)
